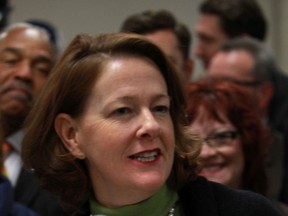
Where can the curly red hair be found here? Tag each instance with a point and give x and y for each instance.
(221, 97)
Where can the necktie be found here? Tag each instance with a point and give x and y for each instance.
(6, 150)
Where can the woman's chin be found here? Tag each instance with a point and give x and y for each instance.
(151, 182)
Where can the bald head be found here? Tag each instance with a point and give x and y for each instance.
(237, 64)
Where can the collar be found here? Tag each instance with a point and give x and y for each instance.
(158, 205)
(15, 140)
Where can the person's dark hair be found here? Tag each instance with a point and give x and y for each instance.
(238, 17)
(218, 98)
(5, 11)
(67, 91)
(153, 20)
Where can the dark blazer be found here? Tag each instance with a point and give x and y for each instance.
(28, 191)
(8, 206)
(205, 198)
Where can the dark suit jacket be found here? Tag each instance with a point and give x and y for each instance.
(8, 206)
(29, 193)
(205, 198)
(27, 190)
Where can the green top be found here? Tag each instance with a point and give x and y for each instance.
(158, 205)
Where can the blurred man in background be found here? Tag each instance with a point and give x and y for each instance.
(172, 37)
(222, 20)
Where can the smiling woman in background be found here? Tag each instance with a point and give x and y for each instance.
(107, 136)
(235, 140)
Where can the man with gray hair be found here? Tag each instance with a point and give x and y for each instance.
(247, 62)
(26, 58)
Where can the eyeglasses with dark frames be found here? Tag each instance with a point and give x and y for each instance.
(221, 139)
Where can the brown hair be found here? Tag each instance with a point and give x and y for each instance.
(153, 20)
(67, 90)
(221, 97)
(238, 17)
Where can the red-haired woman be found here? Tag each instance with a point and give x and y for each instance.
(235, 140)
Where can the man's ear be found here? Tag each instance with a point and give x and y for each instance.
(66, 128)
(267, 92)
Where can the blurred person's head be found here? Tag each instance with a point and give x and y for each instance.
(26, 58)
(162, 28)
(221, 20)
(234, 138)
(246, 62)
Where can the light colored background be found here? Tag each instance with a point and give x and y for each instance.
(99, 16)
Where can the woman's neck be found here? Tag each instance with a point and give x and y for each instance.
(124, 198)
(160, 203)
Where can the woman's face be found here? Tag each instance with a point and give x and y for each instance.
(126, 132)
(224, 162)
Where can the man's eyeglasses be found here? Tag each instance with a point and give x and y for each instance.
(221, 139)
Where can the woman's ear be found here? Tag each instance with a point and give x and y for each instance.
(66, 128)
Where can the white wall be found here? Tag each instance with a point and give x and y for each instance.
(98, 16)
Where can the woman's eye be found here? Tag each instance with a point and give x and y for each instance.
(222, 136)
(161, 109)
(122, 111)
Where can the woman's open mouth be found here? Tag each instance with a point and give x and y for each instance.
(146, 156)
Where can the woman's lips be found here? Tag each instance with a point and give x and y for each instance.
(209, 170)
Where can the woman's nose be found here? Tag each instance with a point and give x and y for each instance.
(207, 151)
(149, 126)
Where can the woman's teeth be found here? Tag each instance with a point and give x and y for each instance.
(211, 168)
(146, 157)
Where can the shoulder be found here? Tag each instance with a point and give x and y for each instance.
(209, 198)
(20, 210)
(283, 207)
(7, 204)
(29, 192)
